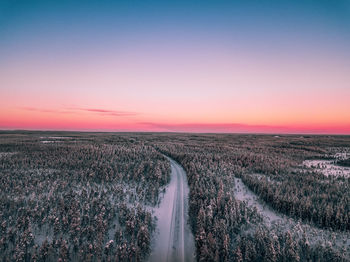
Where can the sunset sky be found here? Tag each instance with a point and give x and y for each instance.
(188, 66)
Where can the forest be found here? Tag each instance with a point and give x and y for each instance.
(77, 199)
(69, 196)
(228, 230)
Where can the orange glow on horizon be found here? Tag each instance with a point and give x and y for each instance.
(105, 120)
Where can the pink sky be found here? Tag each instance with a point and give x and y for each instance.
(215, 93)
(177, 76)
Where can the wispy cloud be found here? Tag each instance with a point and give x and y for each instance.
(42, 110)
(108, 112)
(78, 109)
(243, 128)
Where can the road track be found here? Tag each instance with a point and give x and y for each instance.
(174, 240)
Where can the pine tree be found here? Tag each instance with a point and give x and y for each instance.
(143, 239)
(291, 253)
(238, 255)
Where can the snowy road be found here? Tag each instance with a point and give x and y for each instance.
(174, 240)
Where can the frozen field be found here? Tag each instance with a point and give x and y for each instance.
(327, 168)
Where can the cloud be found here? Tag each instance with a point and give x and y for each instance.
(39, 110)
(241, 128)
(77, 110)
(107, 112)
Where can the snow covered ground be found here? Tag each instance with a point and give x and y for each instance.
(173, 239)
(327, 168)
(55, 139)
(5, 154)
(281, 223)
(49, 141)
(243, 193)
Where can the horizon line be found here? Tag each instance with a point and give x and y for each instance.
(174, 132)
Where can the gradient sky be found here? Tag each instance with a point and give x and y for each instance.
(198, 66)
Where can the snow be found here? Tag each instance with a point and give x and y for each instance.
(243, 193)
(42, 234)
(49, 141)
(173, 240)
(55, 137)
(342, 155)
(164, 213)
(328, 167)
(5, 154)
(60, 137)
(282, 223)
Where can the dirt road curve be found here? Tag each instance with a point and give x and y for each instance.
(174, 239)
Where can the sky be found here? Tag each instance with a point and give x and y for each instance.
(256, 66)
